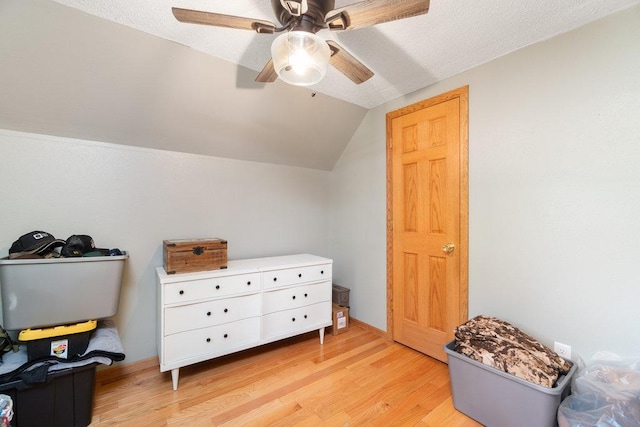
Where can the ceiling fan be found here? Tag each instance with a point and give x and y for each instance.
(299, 56)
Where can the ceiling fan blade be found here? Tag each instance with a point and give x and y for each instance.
(219, 20)
(372, 12)
(344, 62)
(268, 73)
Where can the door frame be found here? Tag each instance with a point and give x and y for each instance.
(462, 94)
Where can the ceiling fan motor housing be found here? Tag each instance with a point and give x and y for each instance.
(313, 20)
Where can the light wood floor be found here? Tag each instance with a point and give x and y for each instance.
(355, 379)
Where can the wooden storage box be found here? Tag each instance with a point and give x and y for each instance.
(188, 256)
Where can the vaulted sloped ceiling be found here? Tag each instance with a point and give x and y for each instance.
(66, 73)
(127, 72)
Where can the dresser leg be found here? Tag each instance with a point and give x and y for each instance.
(321, 330)
(174, 377)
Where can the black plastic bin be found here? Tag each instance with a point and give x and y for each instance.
(65, 399)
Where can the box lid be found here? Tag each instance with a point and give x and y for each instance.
(188, 244)
(56, 331)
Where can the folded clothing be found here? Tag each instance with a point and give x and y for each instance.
(499, 344)
(104, 347)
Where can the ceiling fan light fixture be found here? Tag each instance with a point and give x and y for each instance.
(300, 58)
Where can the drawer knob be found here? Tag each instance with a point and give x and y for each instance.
(208, 313)
(299, 274)
(294, 297)
(181, 292)
(305, 316)
(293, 319)
(226, 335)
(321, 271)
(275, 279)
(305, 295)
(208, 339)
(217, 286)
(226, 310)
(249, 283)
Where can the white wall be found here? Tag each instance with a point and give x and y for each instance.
(554, 196)
(554, 191)
(358, 221)
(133, 198)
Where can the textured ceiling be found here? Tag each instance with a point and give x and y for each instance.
(405, 55)
(104, 71)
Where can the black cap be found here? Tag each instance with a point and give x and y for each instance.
(34, 243)
(78, 245)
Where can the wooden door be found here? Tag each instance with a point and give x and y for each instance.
(427, 170)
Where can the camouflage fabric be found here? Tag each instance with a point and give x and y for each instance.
(501, 345)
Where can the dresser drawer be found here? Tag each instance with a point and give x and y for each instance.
(294, 297)
(212, 287)
(295, 275)
(214, 312)
(290, 321)
(212, 340)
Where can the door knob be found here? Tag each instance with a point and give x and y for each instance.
(448, 248)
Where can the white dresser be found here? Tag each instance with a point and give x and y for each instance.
(252, 302)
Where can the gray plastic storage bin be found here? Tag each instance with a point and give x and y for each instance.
(59, 291)
(498, 399)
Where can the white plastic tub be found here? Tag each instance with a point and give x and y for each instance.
(59, 291)
(498, 399)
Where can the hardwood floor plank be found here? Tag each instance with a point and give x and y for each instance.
(266, 415)
(409, 409)
(357, 378)
(445, 415)
(392, 392)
